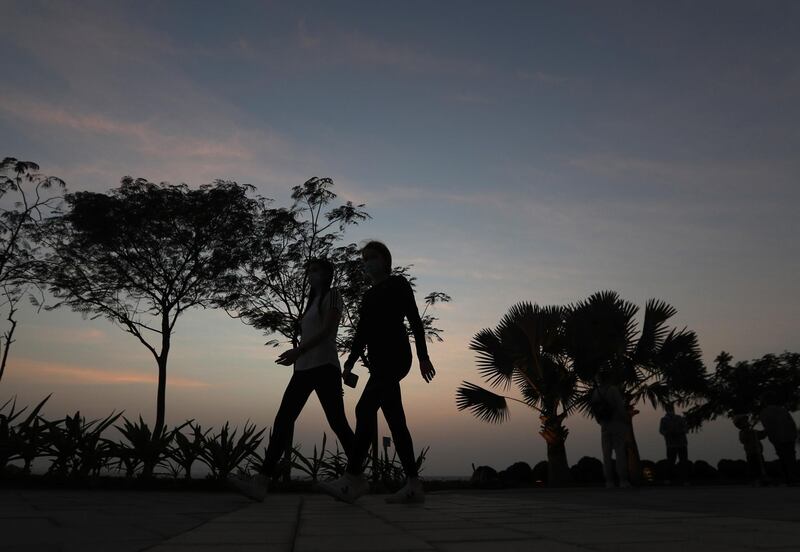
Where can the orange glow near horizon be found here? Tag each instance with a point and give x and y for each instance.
(66, 373)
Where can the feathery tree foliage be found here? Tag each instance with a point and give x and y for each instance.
(143, 254)
(738, 389)
(26, 199)
(272, 288)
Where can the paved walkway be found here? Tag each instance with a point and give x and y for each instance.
(711, 519)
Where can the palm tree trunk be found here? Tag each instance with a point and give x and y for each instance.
(558, 473)
(555, 435)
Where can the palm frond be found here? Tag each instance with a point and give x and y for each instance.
(530, 395)
(654, 329)
(680, 361)
(494, 363)
(484, 405)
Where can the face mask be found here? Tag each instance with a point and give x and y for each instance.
(373, 268)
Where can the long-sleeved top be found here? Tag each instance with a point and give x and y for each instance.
(673, 428)
(380, 323)
(779, 424)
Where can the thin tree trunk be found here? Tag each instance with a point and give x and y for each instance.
(161, 398)
(7, 338)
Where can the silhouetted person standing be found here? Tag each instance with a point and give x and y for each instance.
(750, 439)
(381, 330)
(609, 409)
(316, 369)
(673, 428)
(781, 432)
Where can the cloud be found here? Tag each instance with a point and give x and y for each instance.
(61, 373)
(542, 77)
(355, 48)
(470, 98)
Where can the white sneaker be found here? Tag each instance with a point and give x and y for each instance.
(410, 494)
(347, 488)
(254, 487)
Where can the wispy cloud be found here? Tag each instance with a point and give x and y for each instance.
(471, 98)
(355, 48)
(543, 77)
(24, 369)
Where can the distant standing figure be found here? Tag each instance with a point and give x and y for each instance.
(673, 428)
(782, 433)
(381, 330)
(608, 408)
(750, 439)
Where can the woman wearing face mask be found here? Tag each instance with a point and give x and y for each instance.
(381, 330)
(316, 368)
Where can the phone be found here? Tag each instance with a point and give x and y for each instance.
(350, 380)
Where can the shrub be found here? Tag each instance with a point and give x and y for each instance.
(185, 451)
(144, 447)
(540, 473)
(702, 471)
(483, 476)
(517, 474)
(223, 452)
(588, 470)
(77, 446)
(24, 441)
(735, 470)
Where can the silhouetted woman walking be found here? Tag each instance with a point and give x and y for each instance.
(316, 368)
(381, 330)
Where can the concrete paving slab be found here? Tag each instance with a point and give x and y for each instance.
(731, 519)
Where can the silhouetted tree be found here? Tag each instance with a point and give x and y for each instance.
(143, 254)
(272, 287)
(527, 349)
(26, 198)
(737, 389)
(659, 364)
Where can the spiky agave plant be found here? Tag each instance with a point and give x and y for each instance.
(527, 351)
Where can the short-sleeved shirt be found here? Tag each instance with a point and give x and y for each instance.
(311, 324)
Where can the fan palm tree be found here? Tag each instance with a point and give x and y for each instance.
(526, 350)
(657, 364)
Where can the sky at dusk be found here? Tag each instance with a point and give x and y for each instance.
(508, 150)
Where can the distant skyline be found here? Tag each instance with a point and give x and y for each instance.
(509, 151)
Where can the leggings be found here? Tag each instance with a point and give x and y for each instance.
(681, 454)
(613, 442)
(383, 392)
(326, 381)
